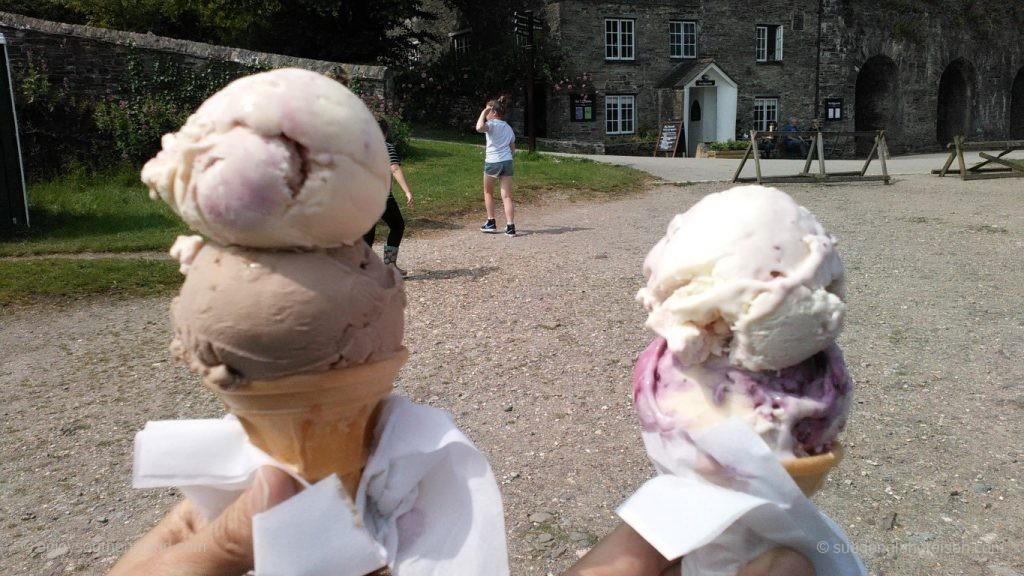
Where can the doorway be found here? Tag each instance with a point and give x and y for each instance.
(953, 117)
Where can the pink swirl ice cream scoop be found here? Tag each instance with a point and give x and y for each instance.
(799, 410)
(281, 159)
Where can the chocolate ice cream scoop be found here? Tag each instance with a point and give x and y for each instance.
(246, 314)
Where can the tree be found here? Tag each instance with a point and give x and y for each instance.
(354, 31)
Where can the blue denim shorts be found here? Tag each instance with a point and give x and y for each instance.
(498, 169)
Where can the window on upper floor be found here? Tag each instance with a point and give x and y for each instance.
(769, 43)
(619, 114)
(766, 111)
(460, 42)
(619, 39)
(682, 39)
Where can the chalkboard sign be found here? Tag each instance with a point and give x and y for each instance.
(669, 134)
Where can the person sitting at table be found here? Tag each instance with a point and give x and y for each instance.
(791, 142)
(767, 144)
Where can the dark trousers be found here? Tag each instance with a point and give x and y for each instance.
(396, 224)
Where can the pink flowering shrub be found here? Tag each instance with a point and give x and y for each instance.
(582, 82)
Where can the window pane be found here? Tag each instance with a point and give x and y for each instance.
(675, 39)
(611, 114)
(766, 110)
(627, 114)
(689, 39)
(611, 39)
(762, 43)
(626, 39)
(778, 43)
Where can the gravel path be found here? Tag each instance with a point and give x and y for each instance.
(529, 343)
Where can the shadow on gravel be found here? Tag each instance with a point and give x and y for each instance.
(554, 230)
(474, 273)
(428, 224)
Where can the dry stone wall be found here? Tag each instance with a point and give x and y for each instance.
(87, 63)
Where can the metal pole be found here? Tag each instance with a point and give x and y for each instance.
(817, 68)
(529, 87)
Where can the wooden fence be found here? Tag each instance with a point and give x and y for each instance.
(1002, 168)
(816, 149)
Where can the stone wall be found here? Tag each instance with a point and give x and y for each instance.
(922, 46)
(89, 63)
(91, 60)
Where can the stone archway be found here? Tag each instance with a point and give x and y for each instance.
(956, 91)
(1017, 107)
(876, 105)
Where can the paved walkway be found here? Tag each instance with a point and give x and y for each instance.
(718, 170)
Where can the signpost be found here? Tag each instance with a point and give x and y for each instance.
(523, 24)
(669, 134)
(13, 200)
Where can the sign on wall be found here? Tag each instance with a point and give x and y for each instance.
(581, 107)
(833, 108)
(669, 134)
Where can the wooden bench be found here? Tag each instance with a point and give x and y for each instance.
(817, 148)
(1002, 169)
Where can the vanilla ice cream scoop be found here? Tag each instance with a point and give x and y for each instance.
(245, 314)
(281, 159)
(746, 273)
(798, 411)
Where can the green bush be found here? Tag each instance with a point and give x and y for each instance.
(156, 99)
(729, 145)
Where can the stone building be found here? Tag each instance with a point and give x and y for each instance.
(923, 71)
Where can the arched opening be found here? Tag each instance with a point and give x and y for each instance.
(876, 104)
(695, 111)
(1017, 107)
(953, 116)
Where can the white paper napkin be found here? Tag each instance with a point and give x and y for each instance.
(752, 505)
(428, 503)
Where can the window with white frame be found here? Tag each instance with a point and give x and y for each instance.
(619, 40)
(769, 43)
(460, 42)
(619, 114)
(682, 39)
(766, 110)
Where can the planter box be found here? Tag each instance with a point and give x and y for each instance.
(734, 154)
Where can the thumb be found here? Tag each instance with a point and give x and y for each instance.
(225, 545)
(779, 562)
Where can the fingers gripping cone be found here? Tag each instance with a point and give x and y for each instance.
(318, 424)
(809, 472)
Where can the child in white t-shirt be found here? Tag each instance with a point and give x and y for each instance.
(501, 145)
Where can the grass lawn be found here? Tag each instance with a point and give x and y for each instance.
(112, 213)
(93, 213)
(23, 281)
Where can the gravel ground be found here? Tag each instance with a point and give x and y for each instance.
(529, 343)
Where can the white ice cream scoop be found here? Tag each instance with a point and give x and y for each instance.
(746, 273)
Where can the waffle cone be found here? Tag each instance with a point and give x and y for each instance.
(809, 472)
(318, 424)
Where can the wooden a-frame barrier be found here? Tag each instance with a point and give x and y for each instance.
(1001, 169)
(817, 148)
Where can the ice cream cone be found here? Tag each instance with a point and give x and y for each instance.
(319, 423)
(809, 472)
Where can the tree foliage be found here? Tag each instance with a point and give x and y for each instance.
(340, 30)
